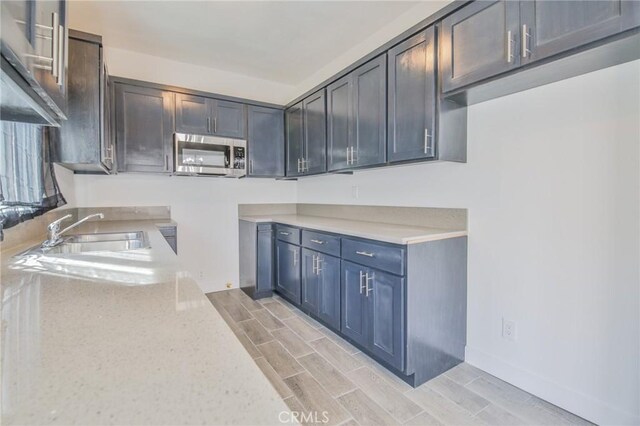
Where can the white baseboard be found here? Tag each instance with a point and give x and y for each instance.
(582, 405)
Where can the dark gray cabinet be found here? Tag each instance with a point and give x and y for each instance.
(294, 139)
(354, 304)
(170, 234)
(412, 99)
(356, 117)
(479, 41)
(372, 311)
(288, 271)
(306, 131)
(315, 134)
(321, 286)
(84, 141)
(144, 128)
(265, 141)
(193, 114)
(207, 116)
(257, 258)
(552, 27)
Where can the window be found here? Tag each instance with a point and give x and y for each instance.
(28, 186)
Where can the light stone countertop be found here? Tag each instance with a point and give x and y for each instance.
(121, 338)
(388, 232)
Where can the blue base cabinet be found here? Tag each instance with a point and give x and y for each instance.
(403, 305)
(321, 287)
(288, 271)
(257, 273)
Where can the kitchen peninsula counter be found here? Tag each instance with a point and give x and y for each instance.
(121, 337)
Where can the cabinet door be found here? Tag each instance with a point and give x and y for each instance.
(551, 27)
(412, 98)
(328, 269)
(229, 119)
(50, 42)
(144, 129)
(370, 113)
(193, 114)
(310, 281)
(264, 279)
(479, 41)
(315, 133)
(385, 295)
(265, 142)
(288, 271)
(354, 303)
(339, 118)
(294, 139)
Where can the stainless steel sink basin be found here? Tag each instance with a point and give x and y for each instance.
(83, 243)
(114, 236)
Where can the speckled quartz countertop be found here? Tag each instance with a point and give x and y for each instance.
(391, 233)
(121, 338)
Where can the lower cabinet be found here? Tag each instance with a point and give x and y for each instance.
(373, 311)
(321, 286)
(288, 271)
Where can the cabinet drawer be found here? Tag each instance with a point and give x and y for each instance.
(319, 241)
(386, 257)
(288, 234)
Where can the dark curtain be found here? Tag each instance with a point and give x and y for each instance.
(28, 186)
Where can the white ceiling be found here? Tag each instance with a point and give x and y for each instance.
(279, 41)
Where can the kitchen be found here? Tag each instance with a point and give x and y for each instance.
(544, 211)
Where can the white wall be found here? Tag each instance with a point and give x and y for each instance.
(552, 186)
(125, 63)
(206, 210)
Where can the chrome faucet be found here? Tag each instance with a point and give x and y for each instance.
(54, 232)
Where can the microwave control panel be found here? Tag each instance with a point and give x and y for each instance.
(238, 157)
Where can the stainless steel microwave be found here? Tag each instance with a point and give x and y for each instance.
(199, 155)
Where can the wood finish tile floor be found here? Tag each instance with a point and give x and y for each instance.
(315, 371)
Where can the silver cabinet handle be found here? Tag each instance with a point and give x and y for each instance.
(362, 286)
(313, 264)
(525, 41)
(166, 162)
(318, 260)
(348, 159)
(364, 253)
(215, 124)
(250, 166)
(428, 142)
(209, 124)
(109, 156)
(55, 42)
(284, 233)
(317, 241)
(368, 278)
(295, 257)
(509, 47)
(299, 169)
(61, 38)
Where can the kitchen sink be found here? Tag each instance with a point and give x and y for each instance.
(104, 237)
(83, 243)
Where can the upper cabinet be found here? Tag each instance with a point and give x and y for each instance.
(306, 132)
(485, 39)
(479, 41)
(144, 128)
(356, 117)
(207, 116)
(412, 98)
(551, 27)
(34, 60)
(265, 131)
(83, 142)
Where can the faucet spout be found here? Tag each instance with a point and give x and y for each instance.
(55, 233)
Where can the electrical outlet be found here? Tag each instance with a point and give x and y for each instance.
(355, 192)
(509, 329)
(200, 274)
(229, 285)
